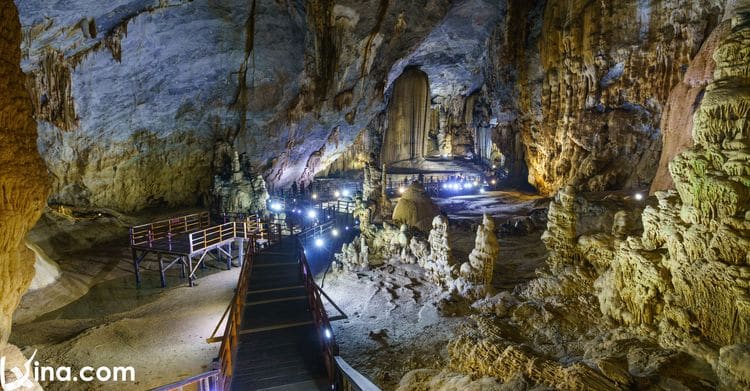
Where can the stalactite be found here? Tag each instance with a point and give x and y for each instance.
(320, 18)
(51, 91)
(408, 118)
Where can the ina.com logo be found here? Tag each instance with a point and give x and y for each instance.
(31, 372)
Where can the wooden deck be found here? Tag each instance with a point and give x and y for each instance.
(279, 346)
(185, 241)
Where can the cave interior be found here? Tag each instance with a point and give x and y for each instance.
(410, 195)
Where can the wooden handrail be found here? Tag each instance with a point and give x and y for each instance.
(230, 341)
(147, 233)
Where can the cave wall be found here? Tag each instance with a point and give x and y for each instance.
(408, 118)
(129, 104)
(694, 248)
(23, 178)
(129, 100)
(609, 68)
(586, 84)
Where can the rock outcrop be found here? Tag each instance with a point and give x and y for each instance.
(587, 103)
(239, 192)
(688, 274)
(23, 178)
(415, 208)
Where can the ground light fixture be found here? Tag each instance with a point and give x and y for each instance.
(638, 196)
(328, 333)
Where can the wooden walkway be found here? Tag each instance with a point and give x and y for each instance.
(279, 346)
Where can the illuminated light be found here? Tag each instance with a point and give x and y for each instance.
(638, 196)
(337, 194)
(335, 232)
(445, 185)
(347, 228)
(494, 181)
(315, 196)
(401, 190)
(482, 190)
(494, 166)
(345, 193)
(318, 242)
(312, 213)
(328, 334)
(275, 207)
(476, 183)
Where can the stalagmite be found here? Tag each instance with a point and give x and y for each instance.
(415, 208)
(482, 259)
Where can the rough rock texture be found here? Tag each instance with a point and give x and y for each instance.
(607, 77)
(239, 192)
(438, 265)
(688, 273)
(130, 101)
(482, 258)
(23, 179)
(602, 72)
(685, 98)
(415, 208)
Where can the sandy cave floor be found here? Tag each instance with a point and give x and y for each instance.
(94, 314)
(394, 322)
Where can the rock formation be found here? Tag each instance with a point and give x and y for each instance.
(237, 193)
(408, 118)
(127, 114)
(482, 259)
(438, 264)
(416, 209)
(584, 84)
(687, 275)
(23, 178)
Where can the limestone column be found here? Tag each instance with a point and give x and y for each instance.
(23, 178)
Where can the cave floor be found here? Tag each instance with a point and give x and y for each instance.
(500, 204)
(398, 321)
(95, 315)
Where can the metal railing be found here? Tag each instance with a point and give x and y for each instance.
(207, 381)
(349, 378)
